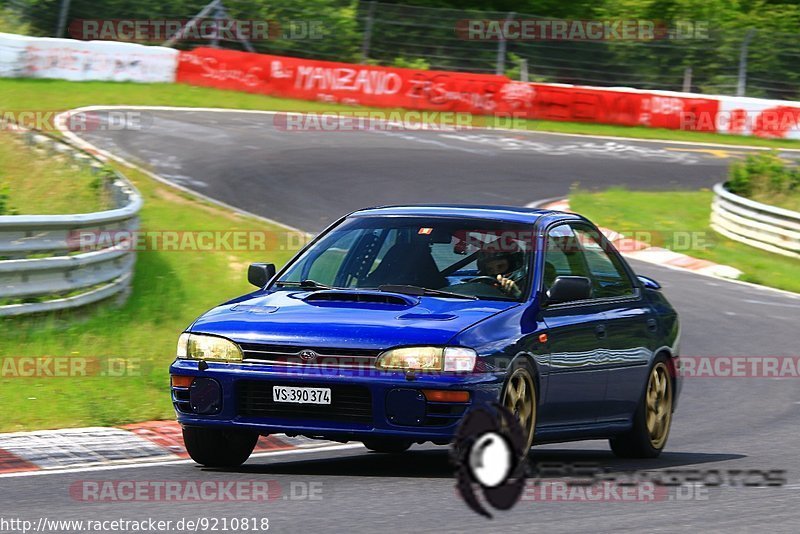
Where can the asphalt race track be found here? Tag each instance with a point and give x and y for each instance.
(308, 179)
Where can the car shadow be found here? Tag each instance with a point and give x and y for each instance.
(436, 463)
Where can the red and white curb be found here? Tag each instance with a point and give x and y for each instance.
(639, 250)
(86, 447)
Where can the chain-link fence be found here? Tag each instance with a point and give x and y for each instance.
(703, 59)
(752, 57)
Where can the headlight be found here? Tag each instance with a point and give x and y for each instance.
(200, 347)
(428, 359)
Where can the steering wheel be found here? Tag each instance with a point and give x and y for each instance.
(488, 280)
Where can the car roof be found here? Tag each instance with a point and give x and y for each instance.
(514, 214)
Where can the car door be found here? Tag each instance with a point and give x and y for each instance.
(575, 331)
(630, 325)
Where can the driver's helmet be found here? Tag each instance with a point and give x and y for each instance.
(514, 257)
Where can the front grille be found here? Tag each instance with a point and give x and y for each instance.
(348, 403)
(326, 356)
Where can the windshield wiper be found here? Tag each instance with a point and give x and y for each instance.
(418, 291)
(310, 284)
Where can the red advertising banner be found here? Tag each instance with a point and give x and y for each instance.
(626, 108)
(483, 94)
(342, 83)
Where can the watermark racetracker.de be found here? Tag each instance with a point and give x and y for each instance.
(467, 240)
(202, 490)
(393, 120)
(543, 29)
(76, 121)
(198, 29)
(69, 366)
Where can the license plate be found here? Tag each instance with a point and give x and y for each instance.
(299, 395)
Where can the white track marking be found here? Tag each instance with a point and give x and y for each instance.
(86, 145)
(157, 463)
(560, 134)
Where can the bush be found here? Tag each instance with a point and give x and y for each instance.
(3, 200)
(11, 22)
(408, 63)
(764, 175)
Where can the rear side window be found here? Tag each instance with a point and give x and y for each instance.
(609, 277)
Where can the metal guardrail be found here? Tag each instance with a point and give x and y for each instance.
(755, 224)
(41, 261)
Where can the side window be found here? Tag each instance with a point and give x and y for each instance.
(564, 256)
(609, 277)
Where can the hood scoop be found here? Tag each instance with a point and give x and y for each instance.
(360, 297)
(427, 316)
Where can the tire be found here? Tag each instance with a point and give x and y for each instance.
(655, 406)
(219, 448)
(521, 402)
(387, 446)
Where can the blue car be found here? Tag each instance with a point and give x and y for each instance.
(395, 321)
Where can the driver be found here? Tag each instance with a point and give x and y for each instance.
(506, 267)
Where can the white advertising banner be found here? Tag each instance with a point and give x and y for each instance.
(756, 116)
(68, 59)
(12, 49)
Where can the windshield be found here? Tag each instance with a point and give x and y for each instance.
(471, 257)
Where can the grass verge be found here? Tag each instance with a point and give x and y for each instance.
(679, 220)
(170, 289)
(59, 187)
(57, 95)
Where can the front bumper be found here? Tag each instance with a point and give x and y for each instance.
(365, 403)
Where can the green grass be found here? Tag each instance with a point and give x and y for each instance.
(170, 289)
(60, 186)
(789, 202)
(679, 220)
(56, 95)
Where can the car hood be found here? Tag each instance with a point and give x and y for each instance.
(345, 319)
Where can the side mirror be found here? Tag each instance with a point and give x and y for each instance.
(568, 289)
(259, 274)
(648, 282)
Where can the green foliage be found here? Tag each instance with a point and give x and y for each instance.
(713, 55)
(11, 22)
(406, 63)
(767, 178)
(4, 200)
(403, 32)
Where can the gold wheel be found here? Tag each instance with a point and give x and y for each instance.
(658, 405)
(519, 397)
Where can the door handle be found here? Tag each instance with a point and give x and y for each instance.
(600, 331)
(652, 325)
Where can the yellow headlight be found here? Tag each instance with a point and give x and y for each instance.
(201, 347)
(412, 358)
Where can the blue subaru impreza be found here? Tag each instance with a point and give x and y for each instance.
(395, 321)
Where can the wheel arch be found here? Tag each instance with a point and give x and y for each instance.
(530, 360)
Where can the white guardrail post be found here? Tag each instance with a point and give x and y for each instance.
(43, 268)
(755, 224)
